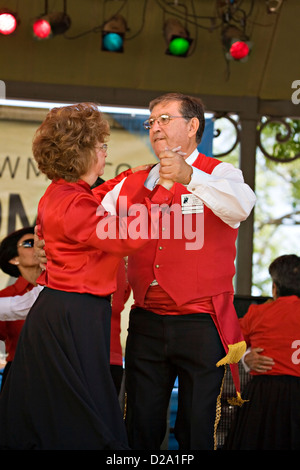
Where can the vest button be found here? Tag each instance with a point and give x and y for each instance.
(157, 265)
(160, 247)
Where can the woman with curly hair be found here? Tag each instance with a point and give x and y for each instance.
(59, 393)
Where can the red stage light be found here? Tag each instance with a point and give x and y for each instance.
(239, 50)
(41, 29)
(236, 44)
(8, 23)
(49, 25)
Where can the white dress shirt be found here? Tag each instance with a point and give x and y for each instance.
(223, 191)
(17, 307)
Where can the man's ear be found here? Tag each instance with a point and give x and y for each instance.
(193, 126)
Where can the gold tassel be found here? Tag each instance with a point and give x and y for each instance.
(125, 406)
(235, 352)
(218, 410)
(236, 401)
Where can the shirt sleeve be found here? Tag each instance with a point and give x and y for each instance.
(247, 368)
(224, 192)
(109, 201)
(18, 306)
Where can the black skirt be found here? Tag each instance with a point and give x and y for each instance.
(59, 393)
(271, 418)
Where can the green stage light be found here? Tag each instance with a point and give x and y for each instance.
(177, 38)
(179, 46)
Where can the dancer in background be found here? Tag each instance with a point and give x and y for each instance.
(270, 420)
(18, 260)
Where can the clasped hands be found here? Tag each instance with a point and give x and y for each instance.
(173, 167)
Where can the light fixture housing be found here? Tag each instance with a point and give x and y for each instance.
(273, 6)
(177, 38)
(236, 44)
(9, 21)
(49, 25)
(113, 34)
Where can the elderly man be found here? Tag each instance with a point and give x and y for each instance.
(182, 321)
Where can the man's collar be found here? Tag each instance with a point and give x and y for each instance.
(191, 158)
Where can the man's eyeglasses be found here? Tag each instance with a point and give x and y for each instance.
(27, 243)
(162, 120)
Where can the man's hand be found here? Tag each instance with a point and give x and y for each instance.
(141, 167)
(258, 363)
(166, 183)
(174, 167)
(39, 251)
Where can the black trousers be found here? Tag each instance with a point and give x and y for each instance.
(159, 348)
(59, 393)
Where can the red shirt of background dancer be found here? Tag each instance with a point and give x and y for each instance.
(275, 327)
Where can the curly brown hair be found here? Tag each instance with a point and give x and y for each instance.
(64, 144)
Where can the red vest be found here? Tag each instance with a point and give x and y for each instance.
(185, 274)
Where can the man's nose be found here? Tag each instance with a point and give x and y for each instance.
(156, 126)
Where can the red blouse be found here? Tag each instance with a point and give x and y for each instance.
(275, 327)
(70, 220)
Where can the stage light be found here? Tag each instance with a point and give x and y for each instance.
(41, 28)
(239, 50)
(273, 6)
(8, 22)
(113, 32)
(236, 44)
(177, 38)
(50, 25)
